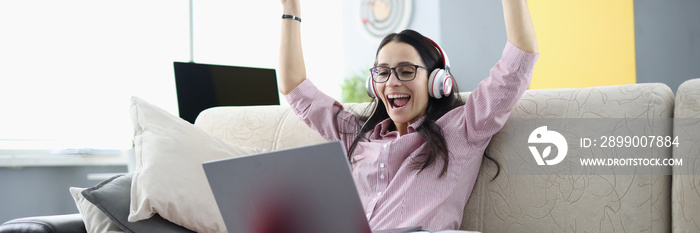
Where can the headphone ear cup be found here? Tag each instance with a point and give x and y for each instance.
(371, 90)
(440, 83)
(435, 81)
(447, 85)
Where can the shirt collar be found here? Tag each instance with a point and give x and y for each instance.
(383, 127)
(415, 125)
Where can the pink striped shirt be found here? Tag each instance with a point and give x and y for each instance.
(395, 195)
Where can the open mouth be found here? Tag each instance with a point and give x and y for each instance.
(398, 100)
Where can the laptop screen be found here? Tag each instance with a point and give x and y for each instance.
(202, 86)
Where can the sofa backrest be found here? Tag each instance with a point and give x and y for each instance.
(265, 127)
(686, 183)
(574, 203)
(513, 203)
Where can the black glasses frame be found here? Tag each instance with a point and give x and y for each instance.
(373, 73)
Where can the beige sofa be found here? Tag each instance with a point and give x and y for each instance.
(534, 203)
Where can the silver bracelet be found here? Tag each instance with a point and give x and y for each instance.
(294, 17)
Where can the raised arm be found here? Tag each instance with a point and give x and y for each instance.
(519, 27)
(291, 65)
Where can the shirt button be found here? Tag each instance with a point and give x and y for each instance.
(385, 145)
(381, 165)
(379, 193)
(381, 176)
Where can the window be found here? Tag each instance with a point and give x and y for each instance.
(69, 67)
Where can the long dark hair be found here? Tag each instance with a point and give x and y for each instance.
(429, 130)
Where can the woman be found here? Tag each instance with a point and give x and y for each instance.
(415, 160)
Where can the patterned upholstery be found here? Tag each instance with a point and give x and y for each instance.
(686, 184)
(574, 203)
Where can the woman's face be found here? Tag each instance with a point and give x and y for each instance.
(405, 101)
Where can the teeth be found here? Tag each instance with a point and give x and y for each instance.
(395, 96)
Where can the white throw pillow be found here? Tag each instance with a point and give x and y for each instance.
(169, 178)
(95, 220)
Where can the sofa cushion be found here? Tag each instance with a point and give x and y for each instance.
(169, 178)
(111, 197)
(95, 220)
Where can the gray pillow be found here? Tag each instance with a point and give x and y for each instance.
(112, 196)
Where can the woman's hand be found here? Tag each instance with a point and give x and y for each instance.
(519, 27)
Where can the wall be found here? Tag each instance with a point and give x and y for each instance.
(582, 43)
(360, 48)
(37, 191)
(473, 34)
(667, 40)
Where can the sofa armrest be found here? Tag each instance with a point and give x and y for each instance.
(45, 224)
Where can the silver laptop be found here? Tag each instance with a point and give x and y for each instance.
(306, 189)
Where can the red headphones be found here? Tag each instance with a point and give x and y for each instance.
(440, 80)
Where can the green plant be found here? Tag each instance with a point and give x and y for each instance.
(353, 89)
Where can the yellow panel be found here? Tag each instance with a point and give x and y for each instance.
(583, 43)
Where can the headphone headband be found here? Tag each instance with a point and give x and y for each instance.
(440, 81)
(445, 59)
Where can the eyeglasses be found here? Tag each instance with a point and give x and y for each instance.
(381, 74)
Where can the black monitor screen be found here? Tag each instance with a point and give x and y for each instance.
(202, 86)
